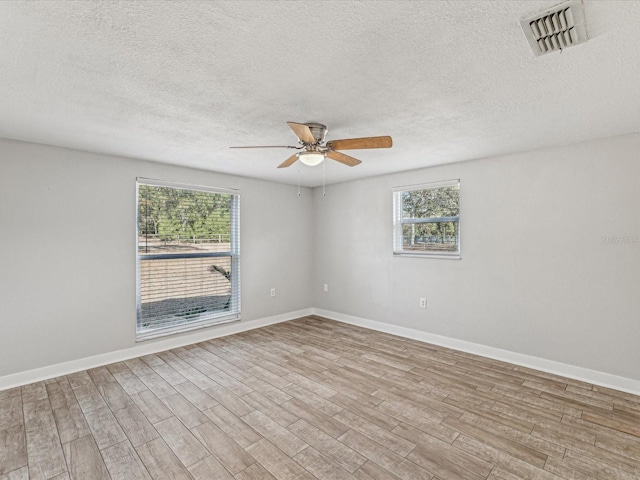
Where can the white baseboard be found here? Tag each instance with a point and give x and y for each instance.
(143, 348)
(577, 373)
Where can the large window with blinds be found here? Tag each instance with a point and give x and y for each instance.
(188, 261)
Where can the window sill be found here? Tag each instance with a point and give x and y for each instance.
(453, 256)
(163, 332)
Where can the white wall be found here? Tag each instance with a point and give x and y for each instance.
(535, 275)
(67, 251)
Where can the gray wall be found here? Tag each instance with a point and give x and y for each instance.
(67, 250)
(535, 275)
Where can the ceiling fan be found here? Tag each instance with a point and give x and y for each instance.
(313, 149)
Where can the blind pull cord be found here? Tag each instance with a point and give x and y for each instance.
(324, 191)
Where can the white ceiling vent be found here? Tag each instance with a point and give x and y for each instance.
(556, 28)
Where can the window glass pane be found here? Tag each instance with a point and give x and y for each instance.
(172, 220)
(426, 219)
(175, 291)
(431, 202)
(430, 237)
(188, 257)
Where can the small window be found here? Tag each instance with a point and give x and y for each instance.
(188, 261)
(426, 219)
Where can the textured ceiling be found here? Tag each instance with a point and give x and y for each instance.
(180, 82)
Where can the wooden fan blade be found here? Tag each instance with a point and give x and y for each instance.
(289, 161)
(269, 146)
(366, 142)
(342, 158)
(302, 132)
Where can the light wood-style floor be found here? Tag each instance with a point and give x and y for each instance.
(317, 399)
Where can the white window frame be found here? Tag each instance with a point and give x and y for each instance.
(234, 253)
(399, 221)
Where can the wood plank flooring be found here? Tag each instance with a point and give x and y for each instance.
(316, 399)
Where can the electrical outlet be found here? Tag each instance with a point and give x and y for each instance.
(273, 292)
(423, 303)
(326, 287)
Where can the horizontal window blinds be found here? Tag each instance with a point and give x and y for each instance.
(188, 257)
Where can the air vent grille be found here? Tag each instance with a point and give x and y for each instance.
(555, 29)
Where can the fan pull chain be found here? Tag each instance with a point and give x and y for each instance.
(324, 191)
(298, 182)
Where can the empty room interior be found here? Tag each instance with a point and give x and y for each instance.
(300, 240)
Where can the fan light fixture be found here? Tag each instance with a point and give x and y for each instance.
(311, 158)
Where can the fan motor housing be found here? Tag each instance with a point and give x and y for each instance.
(318, 130)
